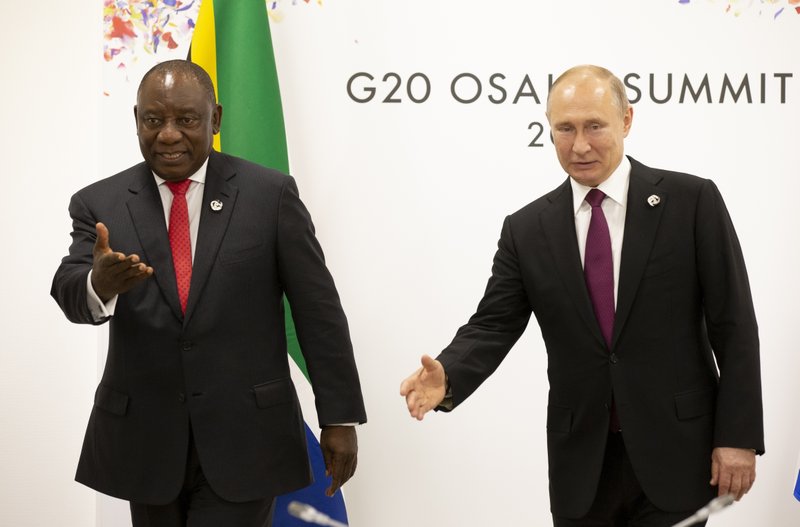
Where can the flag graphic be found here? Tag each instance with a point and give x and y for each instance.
(797, 482)
(232, 42)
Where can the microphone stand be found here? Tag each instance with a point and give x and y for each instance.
(715, 505)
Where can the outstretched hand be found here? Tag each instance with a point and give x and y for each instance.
(339, 446)
(425, 388)
(114, 273)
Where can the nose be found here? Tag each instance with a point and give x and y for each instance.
(169, 133)
(581, 145)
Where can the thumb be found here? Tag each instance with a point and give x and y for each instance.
(430, 365)
(101, 244)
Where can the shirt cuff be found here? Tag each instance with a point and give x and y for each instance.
(447, 402)
(97, 308)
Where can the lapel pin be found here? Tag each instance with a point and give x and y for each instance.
(216, 205)
(652, 201)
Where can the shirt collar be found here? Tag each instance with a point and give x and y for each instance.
(615, 187)
(198, 177)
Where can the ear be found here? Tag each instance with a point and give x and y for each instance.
(136, 116)
(216, 119)
(627, 121)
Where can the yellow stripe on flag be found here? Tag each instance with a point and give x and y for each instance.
(204, 48)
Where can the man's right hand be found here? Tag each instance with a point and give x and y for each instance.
(424, 390)
(114, 273)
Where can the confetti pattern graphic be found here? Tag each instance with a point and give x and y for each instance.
(135, 27)
(773, 8)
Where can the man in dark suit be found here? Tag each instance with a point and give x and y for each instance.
(196, 420)
(637, 280)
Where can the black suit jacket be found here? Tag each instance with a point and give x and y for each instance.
(683, 301)
(223, 367)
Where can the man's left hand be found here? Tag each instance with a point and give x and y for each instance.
(340, 450)
(733, 470)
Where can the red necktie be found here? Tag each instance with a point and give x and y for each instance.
(179, 238)
(598, 269)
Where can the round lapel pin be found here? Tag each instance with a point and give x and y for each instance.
(216, 205)
(653, 200)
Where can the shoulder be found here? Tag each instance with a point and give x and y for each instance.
(248, 173)
(561, 195)
(131, 178)
(667, 179)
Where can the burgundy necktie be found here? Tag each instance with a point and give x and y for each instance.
(179, 238)
(598, 269)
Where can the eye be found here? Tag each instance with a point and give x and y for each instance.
(152, 121)
(187, 120)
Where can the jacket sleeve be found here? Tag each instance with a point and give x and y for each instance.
(319, 319)
(502, 316)
(69, 283)
(731, 324)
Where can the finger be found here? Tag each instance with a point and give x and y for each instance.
(335, 475)
(327, 457)
(417, 407)
(353, 466)
(724, 484)
(408, 384)
(419, 413)
(348, 469)
(735, 487)
(411, 400)
(124, 271)
(139, 276)
(101, 243)
(108, 259)
(714, 473)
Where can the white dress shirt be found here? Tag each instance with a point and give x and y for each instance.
(614, 206)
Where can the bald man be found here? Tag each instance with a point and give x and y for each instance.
(637, 280)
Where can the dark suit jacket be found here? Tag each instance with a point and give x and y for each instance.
(683, 301)
(223, 367)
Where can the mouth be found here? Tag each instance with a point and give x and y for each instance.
(171, 157)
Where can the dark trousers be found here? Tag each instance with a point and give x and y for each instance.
(198, 505)
(620, 501)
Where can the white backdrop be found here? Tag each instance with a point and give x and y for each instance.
(408, 199)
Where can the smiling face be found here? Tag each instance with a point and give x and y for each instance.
(176, 120)
(588, 127)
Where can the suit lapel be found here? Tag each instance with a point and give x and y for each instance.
(147, 213)
(641, 224)
(213, 224)
(558, 225)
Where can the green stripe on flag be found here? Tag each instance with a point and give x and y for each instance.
(252, 126)
(248, 90)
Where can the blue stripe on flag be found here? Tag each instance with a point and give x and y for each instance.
(313, 495)
(797, 487)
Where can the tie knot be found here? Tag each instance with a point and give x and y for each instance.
(595, 197)
(179, 188)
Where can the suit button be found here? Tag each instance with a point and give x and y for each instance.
(613, 358)
(186, 345)
(181, 398)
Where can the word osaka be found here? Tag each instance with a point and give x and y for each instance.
(499, 88)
